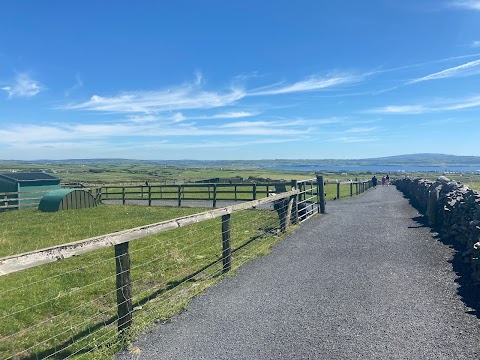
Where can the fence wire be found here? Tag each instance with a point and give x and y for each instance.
(68, 309)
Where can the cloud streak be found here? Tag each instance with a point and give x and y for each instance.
(189, 96)
(422, 109)
(467, 69)
(78, 85)
(23, 86)
(466, 4)
(312, 83)
(29, 133)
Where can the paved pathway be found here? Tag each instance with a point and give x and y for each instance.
(365, 281)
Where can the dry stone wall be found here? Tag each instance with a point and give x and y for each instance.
(453, 208)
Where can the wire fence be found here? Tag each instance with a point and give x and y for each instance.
(189, 194)
(221, 194)
(82, 306)
(57, 304)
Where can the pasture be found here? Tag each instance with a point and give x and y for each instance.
(68, 308)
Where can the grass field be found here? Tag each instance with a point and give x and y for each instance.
(68, 308)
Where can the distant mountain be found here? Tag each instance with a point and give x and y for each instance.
(427, 160)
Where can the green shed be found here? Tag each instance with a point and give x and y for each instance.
(66, 199)
(25, 189)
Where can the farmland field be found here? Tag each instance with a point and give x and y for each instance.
(69, 306)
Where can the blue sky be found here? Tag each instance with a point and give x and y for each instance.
(238, 79)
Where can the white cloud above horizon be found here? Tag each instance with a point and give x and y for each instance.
(467, 69)
(448, 105)
(312, 83)
(183, 97)
(23, 86)
(78, 84)
(466, 4)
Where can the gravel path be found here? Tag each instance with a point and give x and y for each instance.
(363, 281)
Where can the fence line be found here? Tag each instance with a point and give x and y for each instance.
(179, 193)
(182, 258)
(218, 258)
(215, 192)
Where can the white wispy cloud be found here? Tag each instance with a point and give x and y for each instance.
(232, 115)
(28, 133)
(312, 83)
(467, 69)
(180, 117)
(285, 123)
(447, 105)
(361, 129)
(189, 96)
(78, 84)
(148, 118)
(352, 139)
(467, 103)
(475, 44)
(466, 4)
(23, 86)
(399, 109)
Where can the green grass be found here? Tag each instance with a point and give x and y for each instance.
(69, 306)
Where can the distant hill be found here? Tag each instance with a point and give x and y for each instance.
(427, 160)
(398, 160)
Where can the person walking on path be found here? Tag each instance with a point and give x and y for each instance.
(383, 180)
(374, 181)
(387, 179)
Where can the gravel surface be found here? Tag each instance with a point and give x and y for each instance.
(366, 280)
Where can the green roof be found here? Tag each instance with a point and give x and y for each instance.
(29, 176)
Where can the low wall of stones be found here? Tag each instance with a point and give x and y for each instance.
(452, 208)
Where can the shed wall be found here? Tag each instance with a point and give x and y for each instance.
(7, 187)
(31, 193)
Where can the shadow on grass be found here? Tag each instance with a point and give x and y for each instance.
(61, 351)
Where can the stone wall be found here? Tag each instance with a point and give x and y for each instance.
(452, 208)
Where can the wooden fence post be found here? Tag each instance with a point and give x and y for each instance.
(124, 286)
(351, 189)
(321, 193)
(123, 195)
(254, 191)
(215, 195)
(338, 190)
(149, 195)
(226, 247)
(235, 192)
(179, 195)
